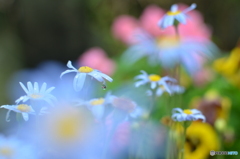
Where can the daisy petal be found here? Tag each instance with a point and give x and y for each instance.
(67, 71)
(79, 81)
(30, 87)
(23, 87)
(25, 116)
(193, 6)
(43, 88)
(174, 8)
(69, 65)
(36, 89)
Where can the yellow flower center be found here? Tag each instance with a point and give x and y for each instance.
(97, 101)
(168, 42)
(36, 96)
(68, 128)
(173, 13)
(187, 111)
(6, 152)
(154, 78)
(24, 108)
(85, 69)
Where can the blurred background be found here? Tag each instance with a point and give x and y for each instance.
(34, 31)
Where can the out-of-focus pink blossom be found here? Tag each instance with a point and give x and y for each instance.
(202, 77)
(96, 58)
(150, 18)
(124, 27)
(169, 47)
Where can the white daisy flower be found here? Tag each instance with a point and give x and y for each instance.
(34, 93)
(82, 73)
(175, 14)
(154, 80)
(22, 108)
(187, 115)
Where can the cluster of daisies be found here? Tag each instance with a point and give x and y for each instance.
(121, 107)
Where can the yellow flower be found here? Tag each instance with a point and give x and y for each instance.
(201, 139)
(229, 66)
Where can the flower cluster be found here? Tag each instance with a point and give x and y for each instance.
(72, 117)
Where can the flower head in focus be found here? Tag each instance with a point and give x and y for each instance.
(34, 93)
(96, 58)
(21, 108)
(82, 73)
(187, 115)
(154, 80)
(175, 14)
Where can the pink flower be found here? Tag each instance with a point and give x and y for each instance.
(164, 46)
(124, 27)
(96, 58)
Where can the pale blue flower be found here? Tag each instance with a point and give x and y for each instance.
(174, 14)
(82, 73)
(34, 93)
(187, 115)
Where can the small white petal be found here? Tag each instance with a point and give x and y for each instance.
(79, 81)
(7, 116)
(36, 88)
(178, 110)
(69, 65)
(139, 83)
(25, 116)
(174, 8)
(159, 91)
(30, 88)
(153, 85)
(169, 21)
(97, 111)
(193, 6)
(49, 90)
(97, 76)
(106, 77)
(23, 87)
(181, 18)
(22, 98)
(43, 88)
(67, 71)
